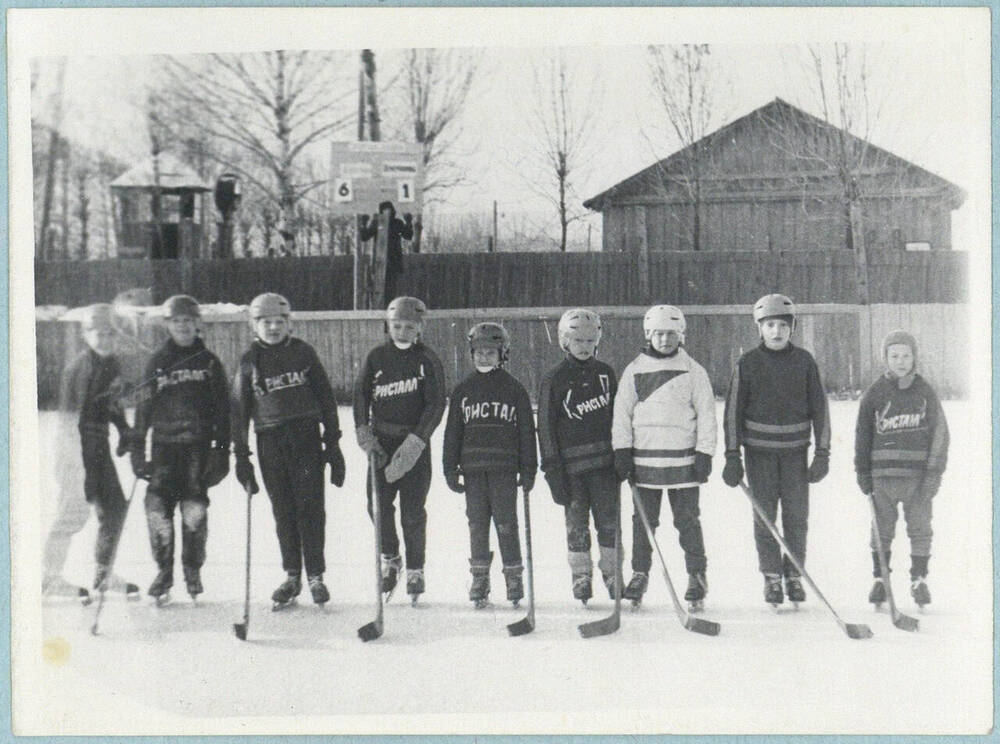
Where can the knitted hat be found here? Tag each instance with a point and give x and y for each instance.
(899, 337)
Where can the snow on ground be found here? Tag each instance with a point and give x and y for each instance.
(445, 667)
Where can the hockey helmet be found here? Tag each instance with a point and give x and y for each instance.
(406, 308)
(269, 304)
(900, 337)
(181, 305)
(664, 318)
(98, 317)
(579, 323)
(490, 336)
(773, 305)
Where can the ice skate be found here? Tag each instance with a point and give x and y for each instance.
(697, 588)
(773, 593)
(794, 590)
(636, 588)
(581, 588)
(919, 591)
(57, 586)
(479, 592)
(515, 585)
(414, 584)
(877, 596)
(159, 590)
(192, 579)
(320, 594)
(392, 566)
(285, 595)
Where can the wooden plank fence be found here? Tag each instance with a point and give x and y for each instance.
(716, 336)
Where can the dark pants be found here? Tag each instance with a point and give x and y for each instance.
(492, 494)
(178, 479)
(684, 505)
(412, 489)
(780, 477)
(291, 462)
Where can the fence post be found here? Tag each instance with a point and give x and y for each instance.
(639, 223)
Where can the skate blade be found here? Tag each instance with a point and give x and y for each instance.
(696, 605)
(878, 606)
(278, 606)
(194, 599)
(636, 605)
(414, 598)
(133, 596)
(163, 600)
(480, 604)
(516, 603)
(85, 598)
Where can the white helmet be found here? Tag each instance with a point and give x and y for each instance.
(772, 305)
(664, 318)
(269, 304)
(406, 308)
(579, 323)
(490, 336)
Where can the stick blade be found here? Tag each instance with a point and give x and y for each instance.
(604, 626)
(240, 629)
(905, 622)
(700, 625)
(521, 627)
(858, 631)
(370, 632)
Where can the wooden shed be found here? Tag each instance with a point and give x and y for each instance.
(774, 180)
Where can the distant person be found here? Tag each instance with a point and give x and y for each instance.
(399, 229)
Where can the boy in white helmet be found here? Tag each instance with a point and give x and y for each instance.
(282, 386)
(574, 431)
(775, 397)
(399, 400)
(900, 453)
(90, 393)
(489, 449)
(663, 435)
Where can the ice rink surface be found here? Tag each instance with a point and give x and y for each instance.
(445, 667)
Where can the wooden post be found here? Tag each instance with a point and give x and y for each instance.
(358, 254)
(639, 222)
(495, 246)
(864, 299)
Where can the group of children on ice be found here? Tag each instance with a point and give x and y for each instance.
(655, 428)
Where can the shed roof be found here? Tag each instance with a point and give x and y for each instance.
(775, 111)
(173, 174)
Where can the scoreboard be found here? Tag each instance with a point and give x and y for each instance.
(363, 174)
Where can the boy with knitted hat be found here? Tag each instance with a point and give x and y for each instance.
(900, 453)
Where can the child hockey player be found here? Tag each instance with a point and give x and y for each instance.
(399, 399)
(90, 394)
(184, 400)
(900, 453)
(663, 435)
(574, 433)
(282, 386)
(489, 449)
(775, 397)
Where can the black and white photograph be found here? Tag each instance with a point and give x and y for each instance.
(476, 371)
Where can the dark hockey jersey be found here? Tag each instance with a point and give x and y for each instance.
(400, 391)
(575, 403)
(774, 398)
(490, 425)
(900, 432)
(281, 383)
(183, 396)
(89, 389)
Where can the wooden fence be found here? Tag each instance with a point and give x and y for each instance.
(511, 280)
(716, 336)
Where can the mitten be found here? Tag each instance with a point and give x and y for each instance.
(930, 485)
(404, 458)
(245, 474)
(140, 466)
(454, 481)
(624, 466)
(336, 459)
(702, 466)
(866, 483)
(559, 486)
(732, 474)
(370, 444)
(216, 466)
(819, 468)
(526, 479)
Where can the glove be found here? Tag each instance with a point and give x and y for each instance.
(559, 486)
(866, 483)
(124, 443)
(453, 478)
(624, 466)
(216, 466)
(408, 218)
(370, 444)
(732, 474)
(336, 459)
(245, 474)
(140, 466)
(702, 466)
(364, 220)
(526, 479)
(819, 468)
(930, 485)
(404, 458)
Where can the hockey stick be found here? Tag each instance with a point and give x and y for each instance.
(102, 589)
(611, 623)
(240, 629)
(689, 621)
(856, 631)
(901, 621)
(527, 624)
(371, 631)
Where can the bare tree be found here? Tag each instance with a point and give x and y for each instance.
(43, 240)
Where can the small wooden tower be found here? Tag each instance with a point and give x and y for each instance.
(160, 210)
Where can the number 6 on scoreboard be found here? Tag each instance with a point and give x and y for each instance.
(343, 190)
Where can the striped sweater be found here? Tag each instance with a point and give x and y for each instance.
(664, 411)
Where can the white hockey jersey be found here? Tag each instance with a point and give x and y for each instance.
(664, 411)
